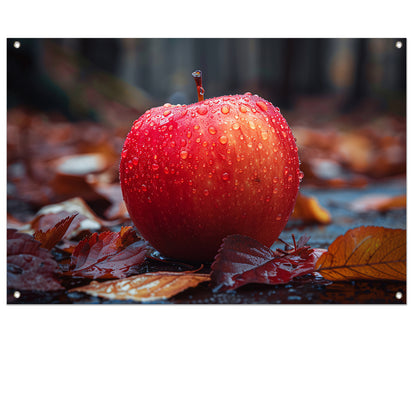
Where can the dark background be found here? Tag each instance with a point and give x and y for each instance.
(76, 76)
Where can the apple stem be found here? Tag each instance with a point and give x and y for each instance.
(198, 81)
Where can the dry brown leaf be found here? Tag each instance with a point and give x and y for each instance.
(145, 287)
(379, 203)
(366, 253)
(307, 209)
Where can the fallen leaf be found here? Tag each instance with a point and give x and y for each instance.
(54, 235)
(29, 266)
(49, 215)
(366, 253)
(307, 209)
(242, 260)
(108, 255)
(381, 203)
(145, 288)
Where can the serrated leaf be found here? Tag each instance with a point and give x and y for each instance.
(242, 260)
(108, 255)
(53, 235)
(366, 253)
(146, 287)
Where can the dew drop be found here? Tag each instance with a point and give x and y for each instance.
(225, 109)
(301, 175)
(223, 139)
(166, 170)
(166, 113)
(236, 126)
(206, 192)
(196, 127)
(243, 108)
(184, 154)
(262, 105)
(212, 130)
(189, 134)
(172, 143)
(290, 178)
(135, 161)
(252, 125)
(264, 135)
(202, 110)
(225, 176)
(155, 166)
(144, 188)
(278, 218)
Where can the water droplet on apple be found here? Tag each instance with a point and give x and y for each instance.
(166, 170)
(252, 125)
(223, 139)
(243, 108)
(278, 218)
(144, 188)
(202, 110)
(212, 130)
(184, 154)
(196, 127)
(155, 166)
(135, 161)
(290, 178)
(206, 192)
(225, 109)
(301, 175)
(225, 176)
(264, 135)
(166, 113)
(236, 126)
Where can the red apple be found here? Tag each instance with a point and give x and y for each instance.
(193, 174)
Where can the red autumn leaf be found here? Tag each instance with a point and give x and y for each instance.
(243, 260)
(108, 255)
(145, 287)
(55, 234)
(29, 266)
(366, 253)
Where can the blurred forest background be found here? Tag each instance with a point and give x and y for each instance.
(77, 77)
(71, 103)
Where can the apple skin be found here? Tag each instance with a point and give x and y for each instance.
(193, 174)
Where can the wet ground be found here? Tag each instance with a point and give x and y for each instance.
(302, 290)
